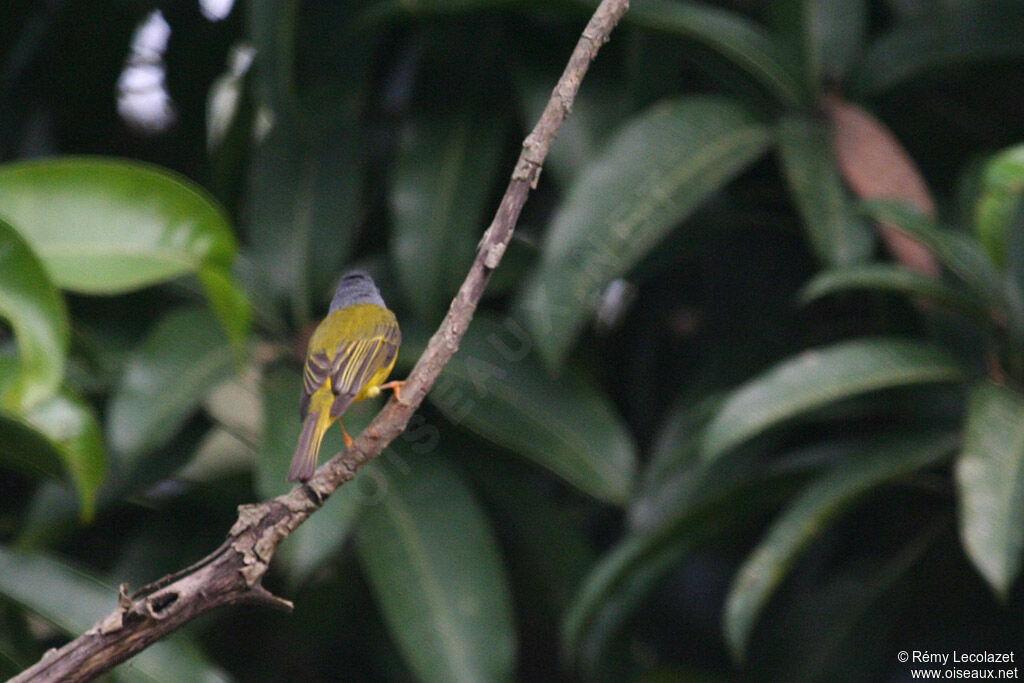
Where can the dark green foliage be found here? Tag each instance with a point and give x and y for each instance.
(704, 425)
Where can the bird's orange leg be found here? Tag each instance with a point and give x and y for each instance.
(396, 386)
(344, 432)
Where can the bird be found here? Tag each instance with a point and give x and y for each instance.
(350, 355)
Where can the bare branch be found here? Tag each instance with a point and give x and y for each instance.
(232, 574)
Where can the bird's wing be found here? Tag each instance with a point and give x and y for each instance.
(358, 360)
(314, 375)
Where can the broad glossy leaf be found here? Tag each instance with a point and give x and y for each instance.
(727, 484)
(177, 658)
(835, 230)
(73, 600)
(25, 449)
(236, 403)
(495, 387)
(271, 27)
(305, 210)
(72, 428)
(963, 257)
(692, 487)
(820, 377)
(390, 10)
(741, 41)
(810, 514)
(990, 480)
(964, 33)
(954, 250)
(449, 5)
(676, 445)
(17, 649)
(134, 225)
(654, 172)
(998, 207)
(696, 502)
(307, 173)
(824, 36)
(35, 311)
(445, 168)
(614, 589)
(322, 535)
(282, 388)
(434, 566)
(165, 381)
(892, 278)
(51, 516)
(547, 549)
(229, 304)
(841, 626)
(221, 453)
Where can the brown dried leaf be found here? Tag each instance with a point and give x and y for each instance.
(875, 166)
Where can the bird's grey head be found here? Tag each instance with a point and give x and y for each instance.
(355, 288)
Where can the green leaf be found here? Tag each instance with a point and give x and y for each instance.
(71, 426)
(35, 311)
(835, 230)
(390, 10)
(841, 626)
(449, 5)
(547, 549)
(824, 36)
(134, 225)
(59, 439)
(990, 479)
(962, 256)
(810, 514)
(165, 380)
(495, 387)
(654, 173)
(304, 193)
(687, 490)
(675, 446)
(52, 514)
(73, 600)
(614, 590)
(229, 304)
(892, 278)
(960, 34)
(176, 658)
(271, 27)
(820, 377)
(1000, 201)
(445, 169)
(27, 450)
(696, 502)
(434, 567)
(282, 388)
(743, 42)
(307, 173)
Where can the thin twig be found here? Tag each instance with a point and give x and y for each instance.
(233, 573)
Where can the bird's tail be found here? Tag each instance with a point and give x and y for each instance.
(308, 448)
